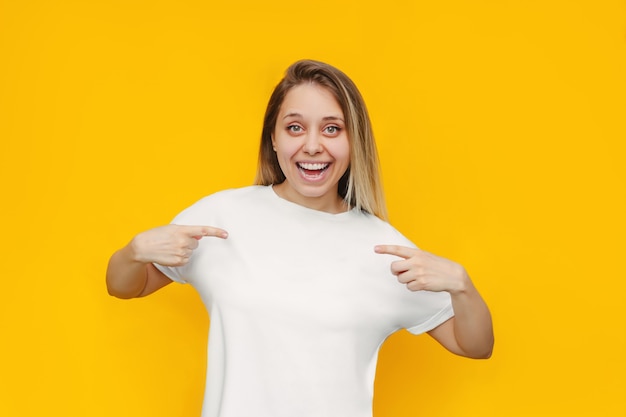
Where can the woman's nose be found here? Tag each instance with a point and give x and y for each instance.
(312, 144)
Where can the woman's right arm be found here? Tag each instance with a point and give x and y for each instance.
(131, 272)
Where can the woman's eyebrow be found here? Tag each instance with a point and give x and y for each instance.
(326, 118)
(292, 115)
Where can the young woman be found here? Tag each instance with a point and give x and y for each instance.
(302, 276)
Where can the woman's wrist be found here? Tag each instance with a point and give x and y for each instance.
(462, 283)
(134, 252)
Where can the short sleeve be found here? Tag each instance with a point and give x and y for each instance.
(176, 274)
(435, 320)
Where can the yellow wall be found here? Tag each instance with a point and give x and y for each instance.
(501, 127)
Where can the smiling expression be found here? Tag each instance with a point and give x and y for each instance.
(312, 148)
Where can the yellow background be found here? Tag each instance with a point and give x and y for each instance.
(501, 127)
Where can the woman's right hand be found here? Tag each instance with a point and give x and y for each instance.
(171, 245)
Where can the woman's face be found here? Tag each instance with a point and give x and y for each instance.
(312, 147)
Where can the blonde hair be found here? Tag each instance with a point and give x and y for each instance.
(361, 185)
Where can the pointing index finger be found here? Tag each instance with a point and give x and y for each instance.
(198, 232)
(397, 250)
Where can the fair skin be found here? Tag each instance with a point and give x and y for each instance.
(312, 147)
(313, 151)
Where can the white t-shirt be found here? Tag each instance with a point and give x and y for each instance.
(299, 305)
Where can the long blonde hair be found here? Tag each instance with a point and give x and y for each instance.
(361, 185)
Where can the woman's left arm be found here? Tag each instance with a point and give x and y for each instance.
(470, 332)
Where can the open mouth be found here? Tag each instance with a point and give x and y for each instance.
(312, 170)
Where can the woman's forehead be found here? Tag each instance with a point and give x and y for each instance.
(310, 100)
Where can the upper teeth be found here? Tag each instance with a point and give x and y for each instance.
(312, 167)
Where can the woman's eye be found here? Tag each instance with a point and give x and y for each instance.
(332, 130)
(294, 128)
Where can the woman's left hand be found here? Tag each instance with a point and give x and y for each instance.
(420, 270)
(470, 332)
